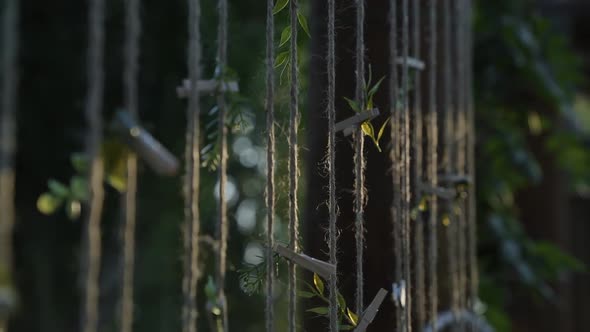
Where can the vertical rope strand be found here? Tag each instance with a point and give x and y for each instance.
(359, 157)
(222, 225)
(418, 291)
(461, 148)
(395, 156)
(432, 165)
(270, 164)
(406, 164)
(192, 181)
(448, 154)
(9, 83)
(293, 165)
(91, 265)
(471, 195)
(132, 36)
(332, 203)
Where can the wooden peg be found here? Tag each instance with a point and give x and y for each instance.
(398, 293)
(411, 62)
(443, 193)
(347, 126)
(145, 145)
(371, 311)
(206, 87)
(323, 269)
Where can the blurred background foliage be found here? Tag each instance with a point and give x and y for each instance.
(528, 83)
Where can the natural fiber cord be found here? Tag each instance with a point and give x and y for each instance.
(131, 54)
(92, 242)
(192, 180)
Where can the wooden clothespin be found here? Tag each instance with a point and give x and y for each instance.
(411, 62)
(444, 193)
(347, 126)
(398, 293)
(206, 87)
(371, 311)
(323, 269)
(145, 145)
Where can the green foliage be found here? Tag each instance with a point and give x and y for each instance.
(283, 59)
(526, 78)
(347, 318)
(369, 92)
(114, 156)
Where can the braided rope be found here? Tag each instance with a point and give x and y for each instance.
(359, 157)
(406, 174)
(332, 201)
(293, 165)
(419, 289)
(9, 83)
(461, 148)
(395, 154)
(472, 216)
(133, 30)
(222, 224)
(91, 265)
(192, 181)
(432, 166)
(450, 230)
(270, 164)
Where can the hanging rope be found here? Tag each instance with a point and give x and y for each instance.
(359, 156)
(222, 225)
(91, 264)
(270, 164)
(293, 165)
(432, 166)
(406, 164)
(8, 111)
(450, 223)
(472, 216)
(459, 140)
(418, 290)
(133, 30)
(395, 154)
(332, 202)
(192, 181)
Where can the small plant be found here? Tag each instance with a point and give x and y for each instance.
(283, 59)
(348, 319)
(114, 155)
(236, 120)
(367, 127)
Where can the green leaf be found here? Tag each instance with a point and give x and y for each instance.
(48, 203)
(285, 36)
(346, 327)
(79, 162)
(279, 6)
(318, 283)
(375, 87)
(352, 317)
(303, 22)
(79, 188)
(341, 302)
(367, 128)
(319, 310)
(281, 59)
(353, 104)
(73, 209)
(382, 129)
(58, 189)
(305, 294)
